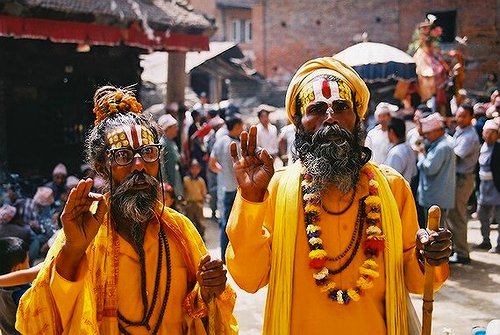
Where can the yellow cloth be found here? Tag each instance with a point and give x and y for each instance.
(295, 305)
(108, 279)
(329, 66)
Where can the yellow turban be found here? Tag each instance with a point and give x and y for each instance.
(327, 66)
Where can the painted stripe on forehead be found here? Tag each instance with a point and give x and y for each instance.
(326, 90)
(132, 135)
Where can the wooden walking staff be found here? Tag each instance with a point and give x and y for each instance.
(433, 218)
(211, 316)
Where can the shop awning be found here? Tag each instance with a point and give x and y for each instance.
(95, 34)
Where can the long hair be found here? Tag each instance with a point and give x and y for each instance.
(95, 143)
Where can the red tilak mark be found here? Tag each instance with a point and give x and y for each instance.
(135, 139)
(325, 89)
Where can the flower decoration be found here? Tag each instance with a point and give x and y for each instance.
(427, 33)
(373, 244)
(118, 102)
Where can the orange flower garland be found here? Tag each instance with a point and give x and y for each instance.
(117, 103)
(373, 244)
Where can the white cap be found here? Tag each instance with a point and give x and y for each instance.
(166, 120)
(60, 169)
(492, 112)
(44, 196)
(431, 122)
(216, 121)
(7, 213)
(385, 108)
(490, 124)
(479, 109)
(266, 108)
(71, 182)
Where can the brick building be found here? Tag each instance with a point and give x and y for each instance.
(288, 32)
(233, 19)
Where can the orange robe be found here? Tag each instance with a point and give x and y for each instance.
(109, 280)
(250, 232)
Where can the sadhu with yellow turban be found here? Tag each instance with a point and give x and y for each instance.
(326, 234)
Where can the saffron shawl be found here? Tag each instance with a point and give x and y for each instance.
(37, 313)
(279, 297)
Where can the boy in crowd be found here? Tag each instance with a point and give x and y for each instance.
(195, 191)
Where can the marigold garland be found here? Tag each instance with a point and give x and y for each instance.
(372, 245)
(117, 103)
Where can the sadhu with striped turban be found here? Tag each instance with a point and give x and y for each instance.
(325, 233)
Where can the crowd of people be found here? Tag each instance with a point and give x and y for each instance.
(35, 219)
(449, 161)
(131, 223)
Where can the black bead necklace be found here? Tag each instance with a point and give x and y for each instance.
(356, 234)
(345, 209)
(148, 311)
(359, 222)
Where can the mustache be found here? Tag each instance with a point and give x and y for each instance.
(332, 133)
(137, 177)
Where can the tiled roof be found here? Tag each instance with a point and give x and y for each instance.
(160, 15)
(236, 3)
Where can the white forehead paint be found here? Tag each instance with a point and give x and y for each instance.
(326, 91)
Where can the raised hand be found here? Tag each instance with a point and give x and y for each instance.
(211, 277)
(80, 226)
(254, 168)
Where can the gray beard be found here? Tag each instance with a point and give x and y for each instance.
(131, 209)
(332, 156)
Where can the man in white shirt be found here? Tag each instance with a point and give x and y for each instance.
(267, 137)
(377, 139)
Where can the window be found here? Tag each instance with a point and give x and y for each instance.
(447, 21)
(241, 31)
(248, 31)
(236, 30)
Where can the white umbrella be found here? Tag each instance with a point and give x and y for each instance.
(378, 62)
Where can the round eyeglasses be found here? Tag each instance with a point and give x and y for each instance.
(125, 156)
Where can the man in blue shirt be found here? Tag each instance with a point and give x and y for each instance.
(401, 156)
(466, 147)
(436, 164)
(221, 163)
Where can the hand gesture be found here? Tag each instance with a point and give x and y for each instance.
(79, 224)
(254, 169)
(211, 277)
(434, 246)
